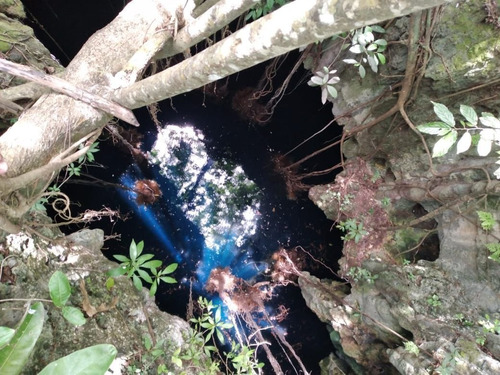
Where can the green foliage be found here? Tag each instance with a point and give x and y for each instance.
(489, 325)
(434, 301)
(198, 353)
(486, 134)
(59, 288)
(447, 366)
(364, 44)
(60, 291)
(325, 79)
(386, 201)
(76, 169)
(361, 274)
(352, 229)
(93, 360)
(494, 249)
(149, 359)
(6, 335)
(463, 320)
(487, 220)
(210, 322)
(243, 359)
(137, 266)
(15, 355)
(89, 156)
(411, 347)
(265, 7)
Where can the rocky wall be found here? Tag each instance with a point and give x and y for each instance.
(420, 272)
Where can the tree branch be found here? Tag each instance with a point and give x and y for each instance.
(62, 86)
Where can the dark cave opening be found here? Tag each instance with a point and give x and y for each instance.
(284, 222)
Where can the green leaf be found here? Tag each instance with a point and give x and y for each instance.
(485, 142)
(73, 315)
(121, 258)
(14, 356)
(378, 29)
(381, 58)
(444, 113)
(59, 288)
(6, 335)
(176, 361)
(315, 80)
(143, 258)
(152, 264)
(170, 268)
(356, 49)
(350, 61)
(168, 280)
(110, 283)
(469, 114)
(332, 91)
(487, 119)
(140, 247)
(137, 282)
(133, 251)
(362, 71)
(153, 289)
(464, 143)
(220, 336)
(145, 276)
(218, 314)
(444, 144)
(434, 128)
(118, 271)
(94, 360)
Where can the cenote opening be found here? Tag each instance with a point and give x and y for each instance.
(230, 199)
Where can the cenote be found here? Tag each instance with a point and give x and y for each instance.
(224, 201)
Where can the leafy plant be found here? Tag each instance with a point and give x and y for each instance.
(265, 7)
(361, 274)
(486, 219)
(370, 49)
(60, 291)
(198, 353)
(489, 325)
(325, 79)
(148, 359)
(210, 322)
(494, 249)
(15, 355)
(447, 366)
(353, 230)
(411, 347)
(243, 359)
(486, 134)
(89, 156)
(135, 268)
(463, 320)
(434, 301)
(92, 360)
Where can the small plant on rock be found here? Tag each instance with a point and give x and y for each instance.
(370, 49)
(353, 230)
(360, 274)
(137, 266)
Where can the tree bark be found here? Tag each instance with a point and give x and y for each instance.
(293, 25)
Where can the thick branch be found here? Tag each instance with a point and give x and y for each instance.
(293, 25)
(211, 21)
(60, 85)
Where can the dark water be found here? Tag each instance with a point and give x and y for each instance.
(164, 227)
